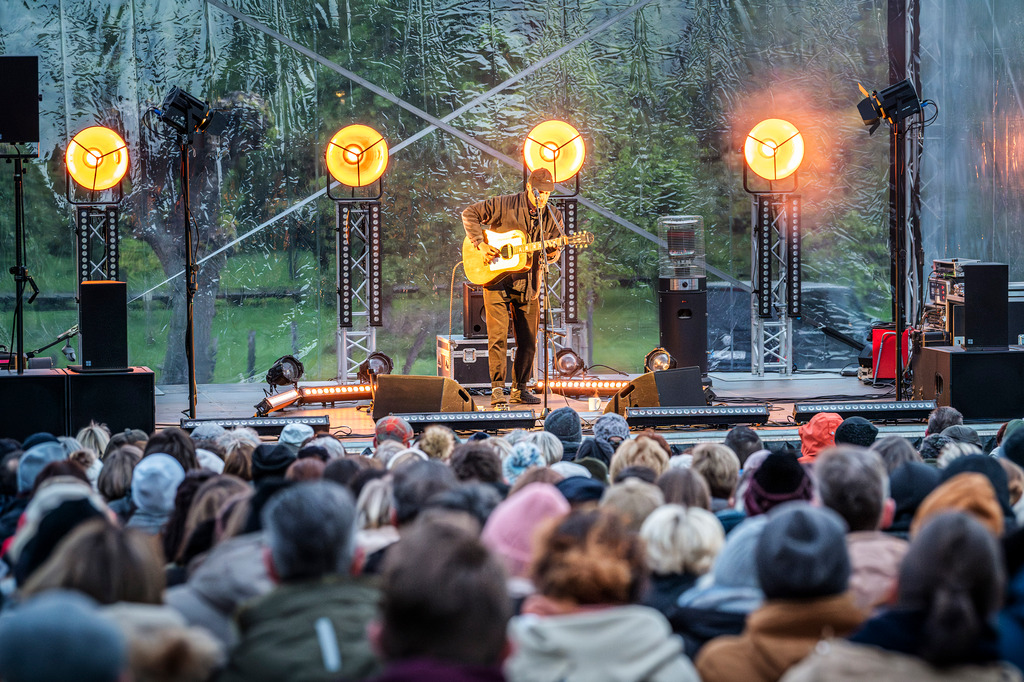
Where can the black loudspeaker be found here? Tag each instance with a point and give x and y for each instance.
(683, 321)
(19, 83)
(103, 325)
(667, 388)
(474, 322)
(986, 305)
(32, 402)
(401, 394)
(121, 400)
(983, 384)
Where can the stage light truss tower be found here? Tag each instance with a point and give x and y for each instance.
(98, 241)
(359, 280)
(775, 275)
(563, 293)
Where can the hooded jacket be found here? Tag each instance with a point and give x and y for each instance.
(602, 645)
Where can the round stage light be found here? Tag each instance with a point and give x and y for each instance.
(774, 149)
(286, 371)
(659, 359)
(373, 366)
(357, 155)
(557, 146)
(97, 158)
(568, 363)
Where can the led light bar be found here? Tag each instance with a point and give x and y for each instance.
(584, 386)
(917, 410)
(335, 394)
(276, 401)
(685, 416)
(265, 426)
(473, 421)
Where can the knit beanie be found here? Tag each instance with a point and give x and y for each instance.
(565, 424)
(856, 431)
(59, 635)
(570, 469)
(392, 428)
(909, 484)
(818, 434)
(962, 434)
(611, 426)
(780, 478)
(33, 461)
(592, 448)
(510, 529)
(155, 482)
(294, 435)
(578, 490)
(36, 439)
(968, 492)
(271, 459)
(1013, 447)
(802, 553)
(524, 455)
(598, 469)
(735, 566)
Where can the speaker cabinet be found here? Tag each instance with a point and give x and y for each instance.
(402, 394)
(667, 388)
(19, 115)
(986, 305)
(103, 325)
(474, 322)
(981, 384)
(683, 322)
(32, 402)
(121, 400)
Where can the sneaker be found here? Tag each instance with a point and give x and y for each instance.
(523, 397)
(498, 396)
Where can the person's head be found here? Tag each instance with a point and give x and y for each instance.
(550, 447)
(932, 445)
(909, 484)
(414, 484)
(294, 436)
(953, 574)
(155, 482)
(645, 474)
(963, 434)
(134, 437)
(942, 418)
(1014, 479)
(743, 441)
(392, 428)
(238, 460)
(564, 423)
(443, 598)
(309, 531)
(334, 447)
(590, 558)
(342, 470)
(638, 452)
(477, 500)
(437, 442)
(967, 492)
(780, 478)
(271, 460)
(852, 482)
(819, 433)
(536, 475)
(856, 431)
(94, 437)
(539, 186)
(176, 443)
(309, 451)
(954, 450)
(802, 553)
(990, 468)
(894, 451)
(108, 563)
(62, 468)
(681, 540)
(611, 428)
(633, 500)
(719, 466)
(511, 528)
(61, 636)
(524, 456)
(307, 469)
(200, 521)
(685, 487)
(373, 506)
(33, 460)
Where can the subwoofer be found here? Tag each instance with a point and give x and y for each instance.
(667, 388)
(32, 402)
(398, 394)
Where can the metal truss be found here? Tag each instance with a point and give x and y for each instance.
(562, 303)
(97, 242)
(359, 281)
(775, 276)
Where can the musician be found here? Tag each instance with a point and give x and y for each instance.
(515, 295)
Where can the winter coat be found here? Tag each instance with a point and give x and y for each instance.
(841, 661)
(306, 631)
(875, 559)
(663, 590)
(429, 670)
(778, 635)
(610, 644)
(232, 574)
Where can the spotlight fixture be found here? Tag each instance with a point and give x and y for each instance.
(568, 363)
(659, 359)
(557, 146)
(286, 371)
(357, 155)
(893, 104)
(186, 114)
(97, 158)
(774, 149)
(373, 366)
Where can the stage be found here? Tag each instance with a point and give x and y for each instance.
(352, 422)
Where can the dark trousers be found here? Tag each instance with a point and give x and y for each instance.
(498, 305)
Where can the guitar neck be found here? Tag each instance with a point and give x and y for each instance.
(537, 246)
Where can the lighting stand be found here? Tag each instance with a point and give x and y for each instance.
(19, 269)
(898, 253)
(185, 145)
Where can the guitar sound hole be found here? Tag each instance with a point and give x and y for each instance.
(506, 251)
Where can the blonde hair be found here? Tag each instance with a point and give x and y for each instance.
(1014, 479)
(550, 447)
(719, 466)
(94, 437)
(437, 442)
(681, 539)
(373, 508)
(642, 452)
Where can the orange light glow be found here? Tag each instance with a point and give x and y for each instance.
(357, 156)
(557, 146)
(97, 158)
(774, 149)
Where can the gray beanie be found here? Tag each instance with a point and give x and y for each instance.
(802, 553)
(610, 426)
(155, 482)
(565, 424)
(962, 434)
(33, 461)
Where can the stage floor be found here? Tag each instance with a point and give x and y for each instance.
(352, 422)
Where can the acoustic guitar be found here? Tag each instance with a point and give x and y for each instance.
(516, 254)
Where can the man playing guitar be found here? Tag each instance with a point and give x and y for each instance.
(516, 294)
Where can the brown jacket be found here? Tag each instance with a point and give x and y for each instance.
(778, 635)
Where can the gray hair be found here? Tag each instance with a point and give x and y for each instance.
(310, 529)
(550, 447)
(853, 482)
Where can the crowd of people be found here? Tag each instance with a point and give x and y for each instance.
(534, 556)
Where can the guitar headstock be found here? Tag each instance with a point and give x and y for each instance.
(580, 240)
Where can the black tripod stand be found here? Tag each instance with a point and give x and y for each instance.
(19, 270)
